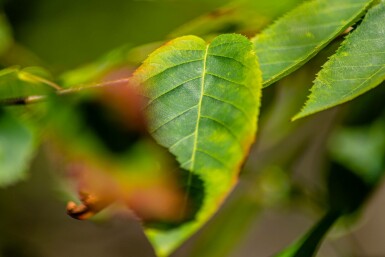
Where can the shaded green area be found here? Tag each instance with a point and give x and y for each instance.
(69, 33)
(241, 16)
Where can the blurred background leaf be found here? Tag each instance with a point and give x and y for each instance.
(17, 147)
(65, 34)
(5, 34)
(241, 16)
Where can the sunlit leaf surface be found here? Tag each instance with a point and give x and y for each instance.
(302, 33)
(203, 106)
(357, 67)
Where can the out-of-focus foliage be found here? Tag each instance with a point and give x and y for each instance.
(349, 186)
(75, 32)
(18, 136)
(114, 159)
(5, 35)
(125, 58)
(361, 149)
(242, 16)
(357, 167)
(16, 82)
(17, 146)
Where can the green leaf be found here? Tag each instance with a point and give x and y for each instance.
(17, 145)
(361, 150)
(126, 57)
(203, 106)
(307, 246)
(302, 33)
(357, 67)
(16, 82)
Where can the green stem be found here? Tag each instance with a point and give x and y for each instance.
(308, 245)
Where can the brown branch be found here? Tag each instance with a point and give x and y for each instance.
(40, 98)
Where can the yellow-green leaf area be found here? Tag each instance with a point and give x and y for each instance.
(298, 36)
(358, 66)
(203, 106)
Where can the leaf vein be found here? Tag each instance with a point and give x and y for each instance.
(204, 72)
(228, 57)
(173, 118)
(366, 80)
(172, 89)
(226, 79)
(171, 67)
(271, 49)
(231, 104)
(213, 157)
(181, 140)
(225, 127)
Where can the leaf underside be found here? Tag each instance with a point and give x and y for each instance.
(297, 37)
(358, 66)
(203, 106)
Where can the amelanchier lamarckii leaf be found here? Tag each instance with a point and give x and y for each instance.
(295, 38)
(203, 106)
(358, 66)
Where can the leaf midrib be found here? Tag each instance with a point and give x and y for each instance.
(204, 71)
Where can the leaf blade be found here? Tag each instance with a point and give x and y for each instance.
(203, 106)
(302, 33)
(356, 67)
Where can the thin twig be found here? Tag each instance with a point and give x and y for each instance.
(40, 98)
(22, 100)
